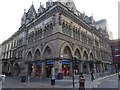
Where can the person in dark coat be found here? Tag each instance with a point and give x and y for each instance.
(119, 76)
(81, 82)
(92, 77)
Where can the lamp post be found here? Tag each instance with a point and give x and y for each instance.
(73, 71)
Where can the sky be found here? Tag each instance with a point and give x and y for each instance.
(12, 11)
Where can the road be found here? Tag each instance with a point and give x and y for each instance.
(111, 82)
(105, 82)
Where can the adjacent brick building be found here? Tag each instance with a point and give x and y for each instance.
(115, 47)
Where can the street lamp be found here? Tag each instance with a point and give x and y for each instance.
(73, 63)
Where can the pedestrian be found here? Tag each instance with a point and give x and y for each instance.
(3, 78)
(81, 82)
(92, 77)
(119, 76)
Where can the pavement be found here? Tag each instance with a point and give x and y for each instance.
(37, 82)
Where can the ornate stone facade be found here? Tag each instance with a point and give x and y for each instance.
(54, 37)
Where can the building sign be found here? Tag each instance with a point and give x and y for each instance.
(39, 63)
(65, 62)
(50, 62)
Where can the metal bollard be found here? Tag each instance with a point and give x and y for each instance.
(28, 79)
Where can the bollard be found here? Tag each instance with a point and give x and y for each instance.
(28, 79)
(23, 79)
(52, 81)
(81, 82)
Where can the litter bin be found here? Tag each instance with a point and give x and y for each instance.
(59, 76)
(23, 79)
(52, 81)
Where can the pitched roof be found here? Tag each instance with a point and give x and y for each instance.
(31, 12)
(101, 21)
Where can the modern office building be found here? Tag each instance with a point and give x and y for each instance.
(104, 25)
(56, 36)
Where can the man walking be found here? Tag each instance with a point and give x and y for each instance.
(92, 77)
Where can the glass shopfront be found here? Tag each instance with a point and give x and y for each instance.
(30, 69)
(65, 67)
(49, 65)
(38, 68)
(84, 67)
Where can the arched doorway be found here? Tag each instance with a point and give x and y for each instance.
(91, 63)
(77, 55)
(16, 68)
(37, 63)
(49, 63)
(29, 64)
(66, 64)
(85, 62)
(5, 68)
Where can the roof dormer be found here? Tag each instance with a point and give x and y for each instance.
(49, 3)
(41, 9)
(23, 19)
(31, 12)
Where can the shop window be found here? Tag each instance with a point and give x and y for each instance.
(65, 67)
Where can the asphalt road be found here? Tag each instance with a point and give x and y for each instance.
(110, 82)
(15, 82)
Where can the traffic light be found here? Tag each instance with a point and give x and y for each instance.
(75, 63)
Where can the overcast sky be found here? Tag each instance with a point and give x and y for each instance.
(11, 12)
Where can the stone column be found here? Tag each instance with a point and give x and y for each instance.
(108, 68)
(60, 67)
(88, 68)
(25, 68)
(43, 70)
(95, 68)
(43, 32)
(71, 32)
(80, 37)
(11, 68)
(71, 69)
(81, 67)
(101, 68)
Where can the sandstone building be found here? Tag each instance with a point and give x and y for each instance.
(54, 37)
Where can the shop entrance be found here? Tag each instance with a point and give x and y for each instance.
(49, 65)
(38, 68)
(65, 67)
(30, 68)
(84, 67)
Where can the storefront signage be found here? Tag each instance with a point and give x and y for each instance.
(39, 63)
(65, 62)
(50, 62)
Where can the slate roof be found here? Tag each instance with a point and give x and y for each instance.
(31, 12)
